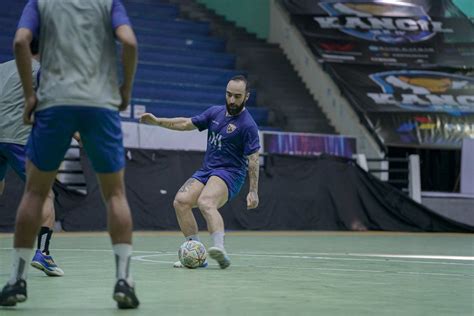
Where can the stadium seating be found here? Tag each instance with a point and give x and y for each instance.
(184, 74)
(182, 69)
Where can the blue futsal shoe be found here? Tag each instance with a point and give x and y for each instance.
(220, 256)
(46, 264)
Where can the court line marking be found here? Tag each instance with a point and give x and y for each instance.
(370, 256)
(314, 255)
(437, 257)
(387, 257)
(463, 275)
(162, 253)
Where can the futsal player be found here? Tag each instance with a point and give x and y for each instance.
(232, 150)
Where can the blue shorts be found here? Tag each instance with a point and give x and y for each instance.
(233, 180)
(101, 135)
(13, 155)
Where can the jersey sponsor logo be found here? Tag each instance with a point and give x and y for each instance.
(425, 90)
(230, 128)
(215, 140)
(387, 22)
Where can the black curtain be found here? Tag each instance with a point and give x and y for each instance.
(296, 193)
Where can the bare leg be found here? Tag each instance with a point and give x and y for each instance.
(213, 196)
(118, 211)
(28, 220)
(119, 222)
(48, 211)
(185, 200)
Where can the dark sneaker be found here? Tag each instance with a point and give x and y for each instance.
(220, 256)
(124, 295)
(13, 293)
(46, 264)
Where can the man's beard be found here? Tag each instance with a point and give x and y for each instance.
(234, 110)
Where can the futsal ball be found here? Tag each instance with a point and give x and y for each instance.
(192, 254)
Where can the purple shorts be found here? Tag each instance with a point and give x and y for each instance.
(233, 180)
(13, 155)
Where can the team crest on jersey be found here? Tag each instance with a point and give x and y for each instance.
(231, 128)
(382, 21)
(425, 91)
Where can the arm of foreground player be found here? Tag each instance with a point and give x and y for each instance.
(177, 123)
(254, 168)
(21, 47)
(127, 37)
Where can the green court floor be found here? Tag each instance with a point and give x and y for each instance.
(272, 273)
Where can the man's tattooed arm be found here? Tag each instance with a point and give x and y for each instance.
(252, 197)
(254, 168)
(177, 123)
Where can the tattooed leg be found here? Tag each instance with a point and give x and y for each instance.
(185, 200)
(185, 187)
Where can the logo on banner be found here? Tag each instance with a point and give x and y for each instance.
(388, 22)
(434, 130)
(410, 131)
(420, 122)
(421, 90)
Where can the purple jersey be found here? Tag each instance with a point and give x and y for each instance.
(230, 138)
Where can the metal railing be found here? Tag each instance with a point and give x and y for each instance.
(406, 178)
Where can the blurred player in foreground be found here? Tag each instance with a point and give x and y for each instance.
(79, 92)
(13, 137)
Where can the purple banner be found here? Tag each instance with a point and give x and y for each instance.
(308, 144)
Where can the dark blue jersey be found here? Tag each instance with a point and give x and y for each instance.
(230, 139)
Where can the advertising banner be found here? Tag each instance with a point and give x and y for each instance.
(377, 89)
(400, 33)
(411, 107)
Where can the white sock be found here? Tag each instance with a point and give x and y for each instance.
(193, 237)
(123, 253)
(21, 258)
(218, 239)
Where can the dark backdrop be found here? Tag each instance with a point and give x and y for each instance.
(296, 193)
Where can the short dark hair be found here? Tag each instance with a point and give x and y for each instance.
(241, 78)
(34, 46)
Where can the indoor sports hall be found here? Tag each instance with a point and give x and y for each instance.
(357, 191)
